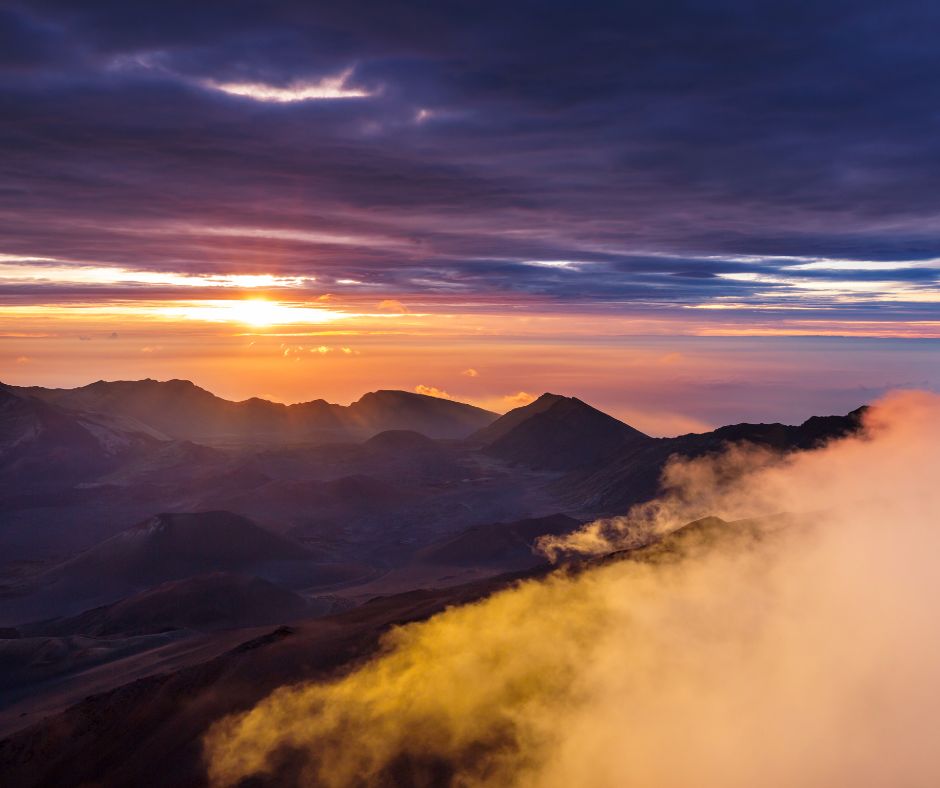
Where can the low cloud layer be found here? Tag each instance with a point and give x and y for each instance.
(797, 650)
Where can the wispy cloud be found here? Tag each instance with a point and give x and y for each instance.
(326, 88)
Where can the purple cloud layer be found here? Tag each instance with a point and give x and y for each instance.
(651, 148)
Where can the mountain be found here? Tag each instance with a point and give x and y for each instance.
(431, 416)
(181, 410)
(220, 600)
(558, 433)
(42, 445)
(179, 545)
(163, 548)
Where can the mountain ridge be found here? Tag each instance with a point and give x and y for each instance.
(180, 410)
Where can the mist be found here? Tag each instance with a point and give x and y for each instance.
(800, 649)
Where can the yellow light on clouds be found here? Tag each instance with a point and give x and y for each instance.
(335, 87)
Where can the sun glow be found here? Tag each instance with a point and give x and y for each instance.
(256, 312)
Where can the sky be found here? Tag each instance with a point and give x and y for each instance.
(689, 213)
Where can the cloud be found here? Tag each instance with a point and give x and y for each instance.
(505, 402)
(677, 169)
(778, 651)
(327, 88)
(517, 400)
(432, 391)
(295, 351)
(470, 373)
(391, 305)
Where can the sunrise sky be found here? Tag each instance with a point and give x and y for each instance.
(670, 213)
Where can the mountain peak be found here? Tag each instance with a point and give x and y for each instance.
(514, 417)
(556, 432)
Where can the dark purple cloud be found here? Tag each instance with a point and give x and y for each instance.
(657, 146)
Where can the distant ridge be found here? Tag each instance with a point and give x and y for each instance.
(180, 410)
(633, 475)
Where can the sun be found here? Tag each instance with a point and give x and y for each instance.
(260, 313)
